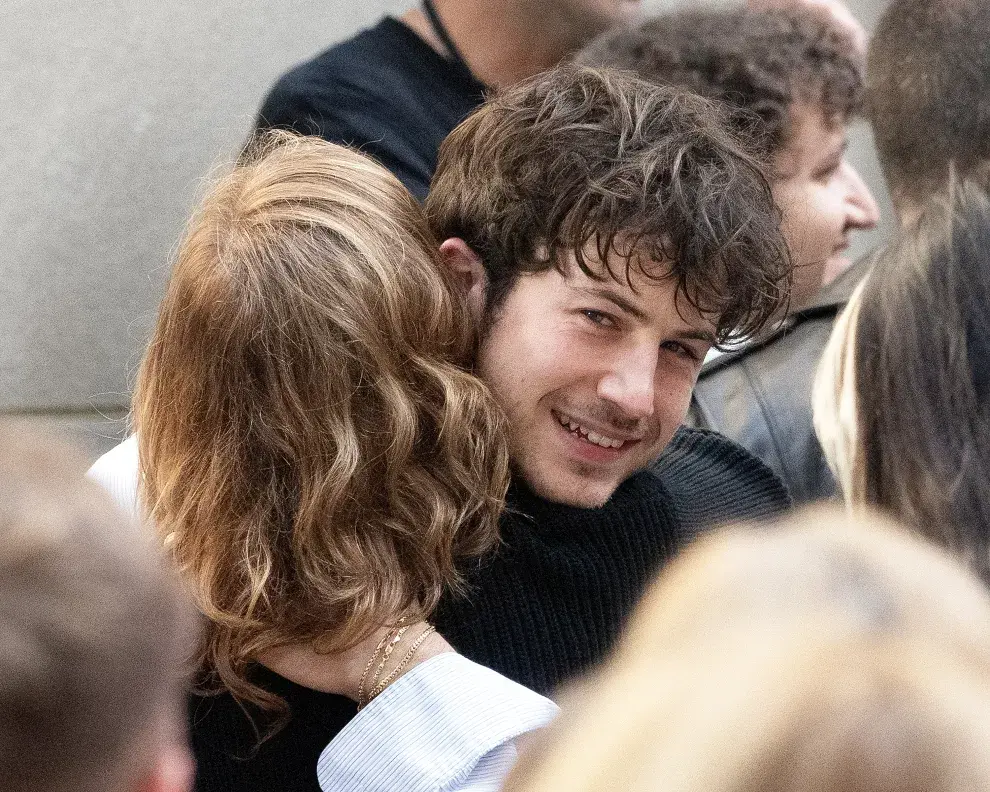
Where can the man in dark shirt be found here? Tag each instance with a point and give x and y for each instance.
(397, 89)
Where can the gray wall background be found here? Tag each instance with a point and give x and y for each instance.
(111, 114)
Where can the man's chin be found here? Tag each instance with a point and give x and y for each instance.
(572, 491)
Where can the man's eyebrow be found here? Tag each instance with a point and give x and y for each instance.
(618, 301)
(698, 335)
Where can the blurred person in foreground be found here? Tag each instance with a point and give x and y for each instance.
(902, 400)
(603, 232)
(318, 460)
(94, 635)
(827, 653)
(795, 76)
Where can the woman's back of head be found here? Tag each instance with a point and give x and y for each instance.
(903, 397)
(822, 655)
(311, 444)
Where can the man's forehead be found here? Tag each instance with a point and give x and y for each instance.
(631, 265)
(811, 135)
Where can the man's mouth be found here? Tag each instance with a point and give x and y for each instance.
(590, 435)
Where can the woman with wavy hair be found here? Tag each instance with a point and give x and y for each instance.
(317, 458)
(826, 654)
(902, 398)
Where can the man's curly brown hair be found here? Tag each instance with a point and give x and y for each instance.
(592, 164)
(760, 62)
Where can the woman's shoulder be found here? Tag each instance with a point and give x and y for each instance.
(117, 472)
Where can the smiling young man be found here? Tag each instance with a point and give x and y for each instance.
(606, 231)
(595, 376)
(796, 76)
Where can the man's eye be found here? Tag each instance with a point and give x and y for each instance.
(680, 349)
(826, 174)
(598, 318)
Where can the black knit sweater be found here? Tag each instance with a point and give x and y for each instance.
(551, 602)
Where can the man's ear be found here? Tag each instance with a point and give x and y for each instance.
(469, 272)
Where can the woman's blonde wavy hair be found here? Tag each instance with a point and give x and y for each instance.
(313, 449)
(831, 653)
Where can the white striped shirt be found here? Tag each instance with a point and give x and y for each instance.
(117, 472)
(448, 725)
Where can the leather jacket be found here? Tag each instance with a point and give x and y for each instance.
(760, 395)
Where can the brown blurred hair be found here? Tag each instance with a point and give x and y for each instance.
(312, 448)
(826, 654)
(763, 63)
(580, 160)
(920, 354)
(928, 92)
(94, 633)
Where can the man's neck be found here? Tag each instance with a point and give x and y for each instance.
(501, 43)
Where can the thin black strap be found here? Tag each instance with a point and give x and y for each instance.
(441, 32)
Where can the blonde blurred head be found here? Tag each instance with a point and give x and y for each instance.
(822, 655)
(313, 449)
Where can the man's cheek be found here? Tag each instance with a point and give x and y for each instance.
(676, 408)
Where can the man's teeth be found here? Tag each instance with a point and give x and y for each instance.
(587, 434)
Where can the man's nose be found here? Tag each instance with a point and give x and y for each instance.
(862, 209)
(630, 381)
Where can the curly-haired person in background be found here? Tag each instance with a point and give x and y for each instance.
(795, 76)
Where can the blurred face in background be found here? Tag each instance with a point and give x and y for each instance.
(823, 200)
(579, 21)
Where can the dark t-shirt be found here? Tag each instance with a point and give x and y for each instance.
(386, 92)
